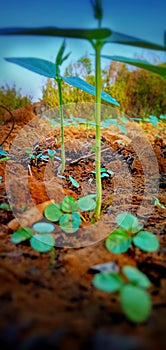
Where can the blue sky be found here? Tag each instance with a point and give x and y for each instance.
(141, 18)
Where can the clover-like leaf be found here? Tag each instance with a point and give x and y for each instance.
(136, 303)
(146, 241)
(108, 282)
(70, 223)
(128, 222)
(52, 212)
(69, 204)
(136, 277)
(86, 203)
(22, 234)
(118, 242)
(43, 227)
(42, 242)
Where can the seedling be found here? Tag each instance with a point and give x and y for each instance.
(3, 155)
(98, 38)
(158, 203)
(104, 173)
(42, 156)
(39, 236)
(5, 206)
(67, 212)
(129, 231)
(74, 182)
(131, 285)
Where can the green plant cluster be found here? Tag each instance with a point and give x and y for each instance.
(131, 285)
(129, 231)
(67, 214)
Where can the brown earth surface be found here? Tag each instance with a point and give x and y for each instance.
(51, 303)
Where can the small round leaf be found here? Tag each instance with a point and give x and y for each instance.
(70, 223)
(42, 242)
(118, 242)
(136, 276)
(52, 212)
(128, 222)
(43, 227)
(146, 241)
(69, 204)
(86, 203)
(108, 282)
(21, 235)
(135, 302)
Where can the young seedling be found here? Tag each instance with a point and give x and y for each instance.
(131, 285)
(98, 38)
(104, 173)
(39, 236)
(67, 212)
(5, 206)
(3, 155)
(129, 231)
(158, 203)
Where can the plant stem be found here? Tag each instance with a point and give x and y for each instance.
(97, 47)
(59, 82)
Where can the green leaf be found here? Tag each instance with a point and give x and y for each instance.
(153, 120)
(108, 282)
(124, 39)
(36, 65)
(83, 85)
(70, 223)
(122, 129)
(103, 175)
(43, 227)
(86, 203)
(3, 159)
(118, 242)
(136, 303)
(69, 204)
(128, 222)
(60, 54)
(97, 8)
(140, 64)
(5, 206)
(88, 34)
(158, 203)
(136, 276)
(52, 212)
(3, 153)
(51, 153)
(146, 241)
(42, 242)
(74, 182)
(21, 235)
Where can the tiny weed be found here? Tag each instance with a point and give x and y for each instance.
(131, 285)
(129, 231)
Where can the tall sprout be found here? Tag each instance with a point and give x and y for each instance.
(98, 38)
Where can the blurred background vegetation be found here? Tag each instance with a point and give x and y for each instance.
(139, 92)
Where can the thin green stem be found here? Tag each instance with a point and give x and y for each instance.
(97, 47)
(59, 82)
